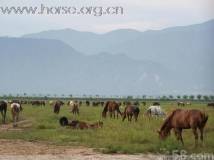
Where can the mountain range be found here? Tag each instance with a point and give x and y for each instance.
(175, 60)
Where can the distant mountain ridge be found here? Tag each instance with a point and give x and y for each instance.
(176, 60)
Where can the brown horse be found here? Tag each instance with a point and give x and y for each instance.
(111, 107)
(16, 108)
(129, 111)
(75, 124)
(181, 119)
(74, 107)
(3, 110)
(57, 106)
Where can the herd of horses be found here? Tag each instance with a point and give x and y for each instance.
(177, 120)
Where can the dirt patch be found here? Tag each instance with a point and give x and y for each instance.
(24, 124)
(22, 150)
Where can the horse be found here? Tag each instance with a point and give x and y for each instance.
(181, 104)
(111, 107)
(129, 111)
(210, 104)
(87, 103)
(75, 124)
(57, 106)
(16, 108)
(143, 103)
(156, 104)
(3, 110)
(181, 119)
(38, 103)
(154, 110)
(74, 107)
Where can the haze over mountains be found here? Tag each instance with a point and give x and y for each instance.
(122, 62)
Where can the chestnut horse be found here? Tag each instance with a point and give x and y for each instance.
(181, 119)
(111, 107)
(131, 110)
(3, 110)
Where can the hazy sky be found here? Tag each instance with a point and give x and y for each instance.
(138, 14)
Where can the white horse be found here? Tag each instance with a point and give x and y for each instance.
(155, 111)
(15, 109)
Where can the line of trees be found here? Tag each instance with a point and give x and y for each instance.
(198, 97)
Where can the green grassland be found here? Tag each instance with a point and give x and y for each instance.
(115, 136)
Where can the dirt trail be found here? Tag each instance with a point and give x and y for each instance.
(22, 150)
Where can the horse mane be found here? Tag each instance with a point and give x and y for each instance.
(167, 120)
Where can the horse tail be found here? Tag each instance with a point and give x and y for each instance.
(118, 109)
(137, 110)
(63, 121)
(204, 118)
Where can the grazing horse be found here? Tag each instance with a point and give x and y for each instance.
(16, 108)
(111, 107)
(3, 110)
(38, 103)
(181, 104)
(156, 104)
(155, 110)
(210, 104)
(181, 119)
(74, 107)
(143, 103)
(57, 106)
(131, 110)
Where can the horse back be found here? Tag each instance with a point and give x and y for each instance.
(188, 119)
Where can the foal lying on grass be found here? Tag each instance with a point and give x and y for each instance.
(75, 124)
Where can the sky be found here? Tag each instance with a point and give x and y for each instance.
(137, 14)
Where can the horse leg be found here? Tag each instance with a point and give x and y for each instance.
(124, 117)
(14, 120)
(202, 135)
(2, 116)
(135, 116)
(131, 117)
(114, 114)
(196, 136)
(178, 134)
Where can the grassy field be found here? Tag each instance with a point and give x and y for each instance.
(115, 137)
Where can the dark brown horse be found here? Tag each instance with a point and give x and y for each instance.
(210, 104)
(74, 107)
(111, 107)
(181, 104)
(181, 119)
(131, 110)
(57, 106)
(3, 110)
